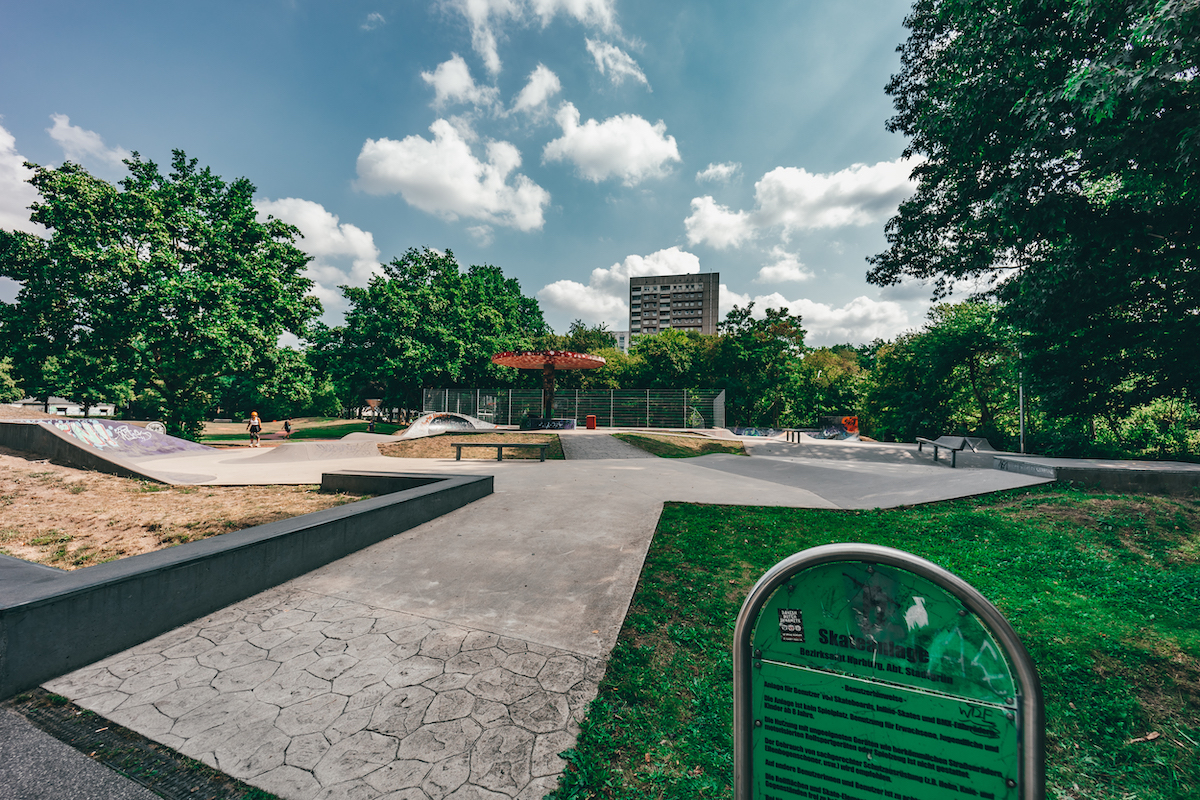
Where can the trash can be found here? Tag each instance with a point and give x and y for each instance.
(591, 422)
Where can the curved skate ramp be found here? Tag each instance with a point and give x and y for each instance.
(105, 445)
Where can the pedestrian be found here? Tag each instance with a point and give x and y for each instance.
(254, 425)
(287, 428)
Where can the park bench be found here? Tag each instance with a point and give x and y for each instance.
(541, 446)
(954, 444)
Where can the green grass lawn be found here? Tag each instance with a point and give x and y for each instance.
(1102, 589)
(328, 431)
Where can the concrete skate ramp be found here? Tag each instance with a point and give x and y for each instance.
(435, 422)
(313, 451)
(104, 445)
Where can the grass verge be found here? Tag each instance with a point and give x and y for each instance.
(680, 446)
(1102, 590)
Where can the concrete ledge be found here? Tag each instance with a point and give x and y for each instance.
(1146, 477)
(53, 622)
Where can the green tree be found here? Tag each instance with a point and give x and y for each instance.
(955, 376)
(425, 323)
(170, 282)
(758, 361)
(1059, 143)
(10, 391)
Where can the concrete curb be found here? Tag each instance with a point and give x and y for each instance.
(53, 622)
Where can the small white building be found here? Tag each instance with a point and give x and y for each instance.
(65, 408)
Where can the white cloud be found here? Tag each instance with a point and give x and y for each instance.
(452, 83)
(626, 147)
(484, 17)
(84, 146)
(786, 267)
(374, 20)
(342, 253)
(15, 193)
(594, 13)
(791, 199)
(543, 84)
(717, 224)
(444, 177)
(719, 173)
(858, 321)
(605, 297)
(615, 63)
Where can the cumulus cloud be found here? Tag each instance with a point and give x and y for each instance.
(791, 199)
(444, 177)
(859, 321)
(84, 146)
(719, 173)
(717, 225)
(374, 20)
(785, 267)
(484, 17)
(626, 147)
(16, 194)
(342, 253)
(605, 297)
(543, 84)
(615, 63)
(452, 83)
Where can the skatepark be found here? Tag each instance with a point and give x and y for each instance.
(457, 658)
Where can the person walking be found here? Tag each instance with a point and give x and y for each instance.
(287, 428)
(254, 425)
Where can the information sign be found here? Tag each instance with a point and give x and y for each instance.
(864, 672)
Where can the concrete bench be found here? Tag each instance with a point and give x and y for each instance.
(954, 444)
(541, 446)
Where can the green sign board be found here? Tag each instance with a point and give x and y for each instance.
(867, 673)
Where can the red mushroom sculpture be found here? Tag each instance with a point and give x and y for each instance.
(547, 361)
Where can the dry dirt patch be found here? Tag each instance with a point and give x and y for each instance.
(71, 518)
(442, 445)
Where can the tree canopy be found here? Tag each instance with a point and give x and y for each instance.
(1058, 146)
(424, 323)
(162, 286)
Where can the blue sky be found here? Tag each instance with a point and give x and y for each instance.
(572, 143)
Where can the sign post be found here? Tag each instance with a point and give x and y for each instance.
(863, 672)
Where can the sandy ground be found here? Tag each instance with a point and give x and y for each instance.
(71, 518)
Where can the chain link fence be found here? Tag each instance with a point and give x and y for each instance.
(617, 408)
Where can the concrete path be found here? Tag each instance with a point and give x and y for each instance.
(598, 444)
(454, 660)
(36, 766)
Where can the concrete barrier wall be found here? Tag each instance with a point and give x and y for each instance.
(53, 622)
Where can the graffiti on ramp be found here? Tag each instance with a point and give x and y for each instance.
(111, 436)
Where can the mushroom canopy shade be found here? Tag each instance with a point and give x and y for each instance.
(547, 361)
(539, 359)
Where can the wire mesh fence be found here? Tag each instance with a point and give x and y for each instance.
(616, 408)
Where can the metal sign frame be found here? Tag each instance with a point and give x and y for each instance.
(1032, 764)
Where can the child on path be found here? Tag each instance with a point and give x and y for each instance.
(287, 428)
(255, 428)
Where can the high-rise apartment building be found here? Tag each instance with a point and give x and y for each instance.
(683, 302)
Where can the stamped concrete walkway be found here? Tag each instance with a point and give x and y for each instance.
(454, 660)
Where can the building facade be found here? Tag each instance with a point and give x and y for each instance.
(682, 302)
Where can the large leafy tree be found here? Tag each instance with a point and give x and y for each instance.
(425, 323)
(164, 283)
(759, 363)
(1060, 141)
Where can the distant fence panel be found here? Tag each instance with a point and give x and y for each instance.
(617, 408)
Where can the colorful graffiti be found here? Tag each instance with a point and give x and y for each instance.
(111, 436)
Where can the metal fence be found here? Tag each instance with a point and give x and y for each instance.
(617, 408)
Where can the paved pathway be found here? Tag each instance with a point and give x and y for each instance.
(454, 660)
(598, 444)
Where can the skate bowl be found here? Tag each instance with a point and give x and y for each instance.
(104, 445)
